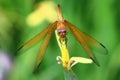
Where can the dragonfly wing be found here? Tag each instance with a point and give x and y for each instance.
(37, 37)
(86, 41)
(44, 47)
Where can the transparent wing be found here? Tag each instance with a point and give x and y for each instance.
(38, 37)
(87, 42)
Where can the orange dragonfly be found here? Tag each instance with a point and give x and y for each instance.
(61, 25)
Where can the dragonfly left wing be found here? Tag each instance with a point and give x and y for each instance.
(87, 42)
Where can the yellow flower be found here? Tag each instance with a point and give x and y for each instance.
(45, 11)
(67, 62)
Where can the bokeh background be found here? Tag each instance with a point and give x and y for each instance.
(20, 20)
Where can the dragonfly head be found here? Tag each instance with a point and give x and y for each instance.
(62, 33)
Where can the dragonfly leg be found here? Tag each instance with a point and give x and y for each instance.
(63, 40)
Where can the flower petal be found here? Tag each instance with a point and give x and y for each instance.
(81, 60)
(75, 60)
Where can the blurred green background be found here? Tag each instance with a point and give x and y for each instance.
(20, 20)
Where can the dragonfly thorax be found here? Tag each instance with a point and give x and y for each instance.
(61, 28)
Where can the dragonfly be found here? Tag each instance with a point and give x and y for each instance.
(62, 25)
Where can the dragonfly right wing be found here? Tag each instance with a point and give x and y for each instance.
(38, 37)
(44, 47)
